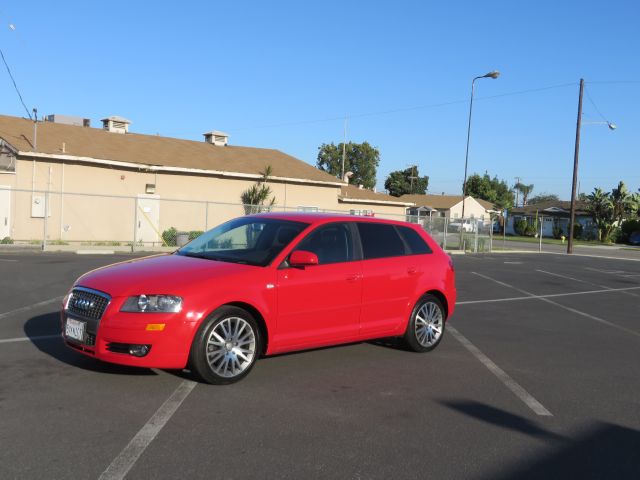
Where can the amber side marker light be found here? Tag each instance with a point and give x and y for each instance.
(155, 327)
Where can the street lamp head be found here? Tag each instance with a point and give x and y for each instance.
(612, 126)
(493, 74)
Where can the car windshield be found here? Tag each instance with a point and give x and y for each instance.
(247, 240)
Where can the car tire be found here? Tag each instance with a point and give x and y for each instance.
(426, 325)
(226, 346)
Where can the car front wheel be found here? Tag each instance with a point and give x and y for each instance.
(226, 346)
(426, 325)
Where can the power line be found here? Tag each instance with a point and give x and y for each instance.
(405, 109)
(595, 106)
(15, 85)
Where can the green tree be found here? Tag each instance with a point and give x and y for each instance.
(600, 207)
(254, 198)
(490, 189)
(361, 159)
(525, 190)
(625, 203)
(544, 197)
(401, 182)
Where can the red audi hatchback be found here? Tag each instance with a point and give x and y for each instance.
(262, 285)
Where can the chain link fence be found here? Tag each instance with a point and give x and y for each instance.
(63, 220)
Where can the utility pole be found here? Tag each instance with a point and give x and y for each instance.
(412, 176)
(575, 169)
(344, 147)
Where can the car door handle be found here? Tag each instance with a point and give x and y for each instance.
(412, 271)
(352, 278)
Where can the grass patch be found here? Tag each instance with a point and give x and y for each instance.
(550, 241)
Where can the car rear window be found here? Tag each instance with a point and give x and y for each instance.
(380, 240)
(413, 239)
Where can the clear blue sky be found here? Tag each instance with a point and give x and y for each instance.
(257, 70)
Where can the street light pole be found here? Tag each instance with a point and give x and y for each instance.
(575, 169)
(494, 74)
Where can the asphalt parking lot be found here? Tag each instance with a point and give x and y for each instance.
(538, 376)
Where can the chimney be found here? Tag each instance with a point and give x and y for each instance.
(115, 124)
(216, 137)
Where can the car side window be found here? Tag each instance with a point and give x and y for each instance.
(416, 243)
(331, 243)
(380, 240)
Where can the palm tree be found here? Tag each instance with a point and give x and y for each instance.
(525, 190)
(600, 205)
(625, 203)
(254, 198)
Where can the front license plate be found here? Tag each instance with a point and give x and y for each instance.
(75, 329)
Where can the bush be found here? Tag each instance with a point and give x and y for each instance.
(195, 234)
(617, 236)
(6, 241)
(577, 230)
(627, 228)
(169, 237)
(520, 226)
(557, 233)
(530, 231)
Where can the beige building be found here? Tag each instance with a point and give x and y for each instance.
(449, 206)
(65, 181)
(360, 201)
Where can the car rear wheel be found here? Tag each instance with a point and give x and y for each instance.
(226, 346)
(426, 325)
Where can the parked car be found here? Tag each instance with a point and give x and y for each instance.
(467, 226)
(261, 285)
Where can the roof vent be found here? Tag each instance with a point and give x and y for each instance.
(216, 137)
(115, 124)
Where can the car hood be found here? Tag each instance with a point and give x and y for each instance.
(162, 274)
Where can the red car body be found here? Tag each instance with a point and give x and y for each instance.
(296, 309)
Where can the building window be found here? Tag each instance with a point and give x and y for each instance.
(7, 159)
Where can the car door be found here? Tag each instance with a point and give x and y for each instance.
(320, 304)
(388, 281)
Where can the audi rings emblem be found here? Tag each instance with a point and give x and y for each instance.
(83, 303)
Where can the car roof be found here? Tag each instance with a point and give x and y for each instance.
(316, 218)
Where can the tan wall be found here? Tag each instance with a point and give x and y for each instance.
(76, 217)
(391, 212)
(187, 202)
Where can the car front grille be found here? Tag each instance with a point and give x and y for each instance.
(87, 303)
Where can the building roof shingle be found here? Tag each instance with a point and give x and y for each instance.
(154, 150)
(351, 192)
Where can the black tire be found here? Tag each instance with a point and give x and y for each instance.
(229, 362)
(428, 338)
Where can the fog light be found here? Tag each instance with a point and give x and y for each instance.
(139, 350)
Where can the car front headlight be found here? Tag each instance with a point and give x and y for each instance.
(152, 304)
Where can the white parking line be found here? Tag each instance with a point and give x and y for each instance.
(121, 465)
(29, 307)
(569, 309)
(549, 295)
(509, 382)
(25, 339)
(584, 281)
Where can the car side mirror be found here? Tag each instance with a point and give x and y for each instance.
(303, 258)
